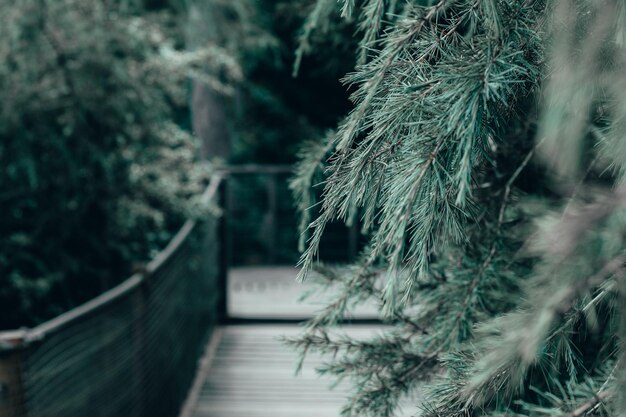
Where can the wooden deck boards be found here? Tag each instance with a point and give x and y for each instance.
(251, 374)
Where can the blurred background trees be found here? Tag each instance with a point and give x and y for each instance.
(97, 167)
(271, 113)
(100, 101)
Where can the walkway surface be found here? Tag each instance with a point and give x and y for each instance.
(249, 372)
(273, 293)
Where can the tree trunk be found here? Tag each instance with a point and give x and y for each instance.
(210, 123)
(208, 109)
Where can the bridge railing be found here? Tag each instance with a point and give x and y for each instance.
(132, 351)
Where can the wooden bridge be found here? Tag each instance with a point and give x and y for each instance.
(196, 334)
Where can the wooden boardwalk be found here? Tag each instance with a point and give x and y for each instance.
(249, 372)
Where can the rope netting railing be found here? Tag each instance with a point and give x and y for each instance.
(132, 351)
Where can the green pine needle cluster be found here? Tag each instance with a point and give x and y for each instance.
(483, 160)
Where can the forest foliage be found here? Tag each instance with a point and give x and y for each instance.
(271, 112)
(99, 162)
(483, 160)
(98, 169)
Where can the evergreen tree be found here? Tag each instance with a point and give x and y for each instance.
(483, 160)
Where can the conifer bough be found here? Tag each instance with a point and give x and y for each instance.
(484, 160)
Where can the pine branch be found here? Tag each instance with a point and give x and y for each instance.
(436, 157)
(589, 405)
(308, 174)
(318, 16)
(424, 203)
(406, 32)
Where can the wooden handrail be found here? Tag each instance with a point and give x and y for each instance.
(255, 169)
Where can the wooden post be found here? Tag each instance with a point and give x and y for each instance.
(11, 377)
(223, 243)
(272, 208)
(353, 241)
(139, 351)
